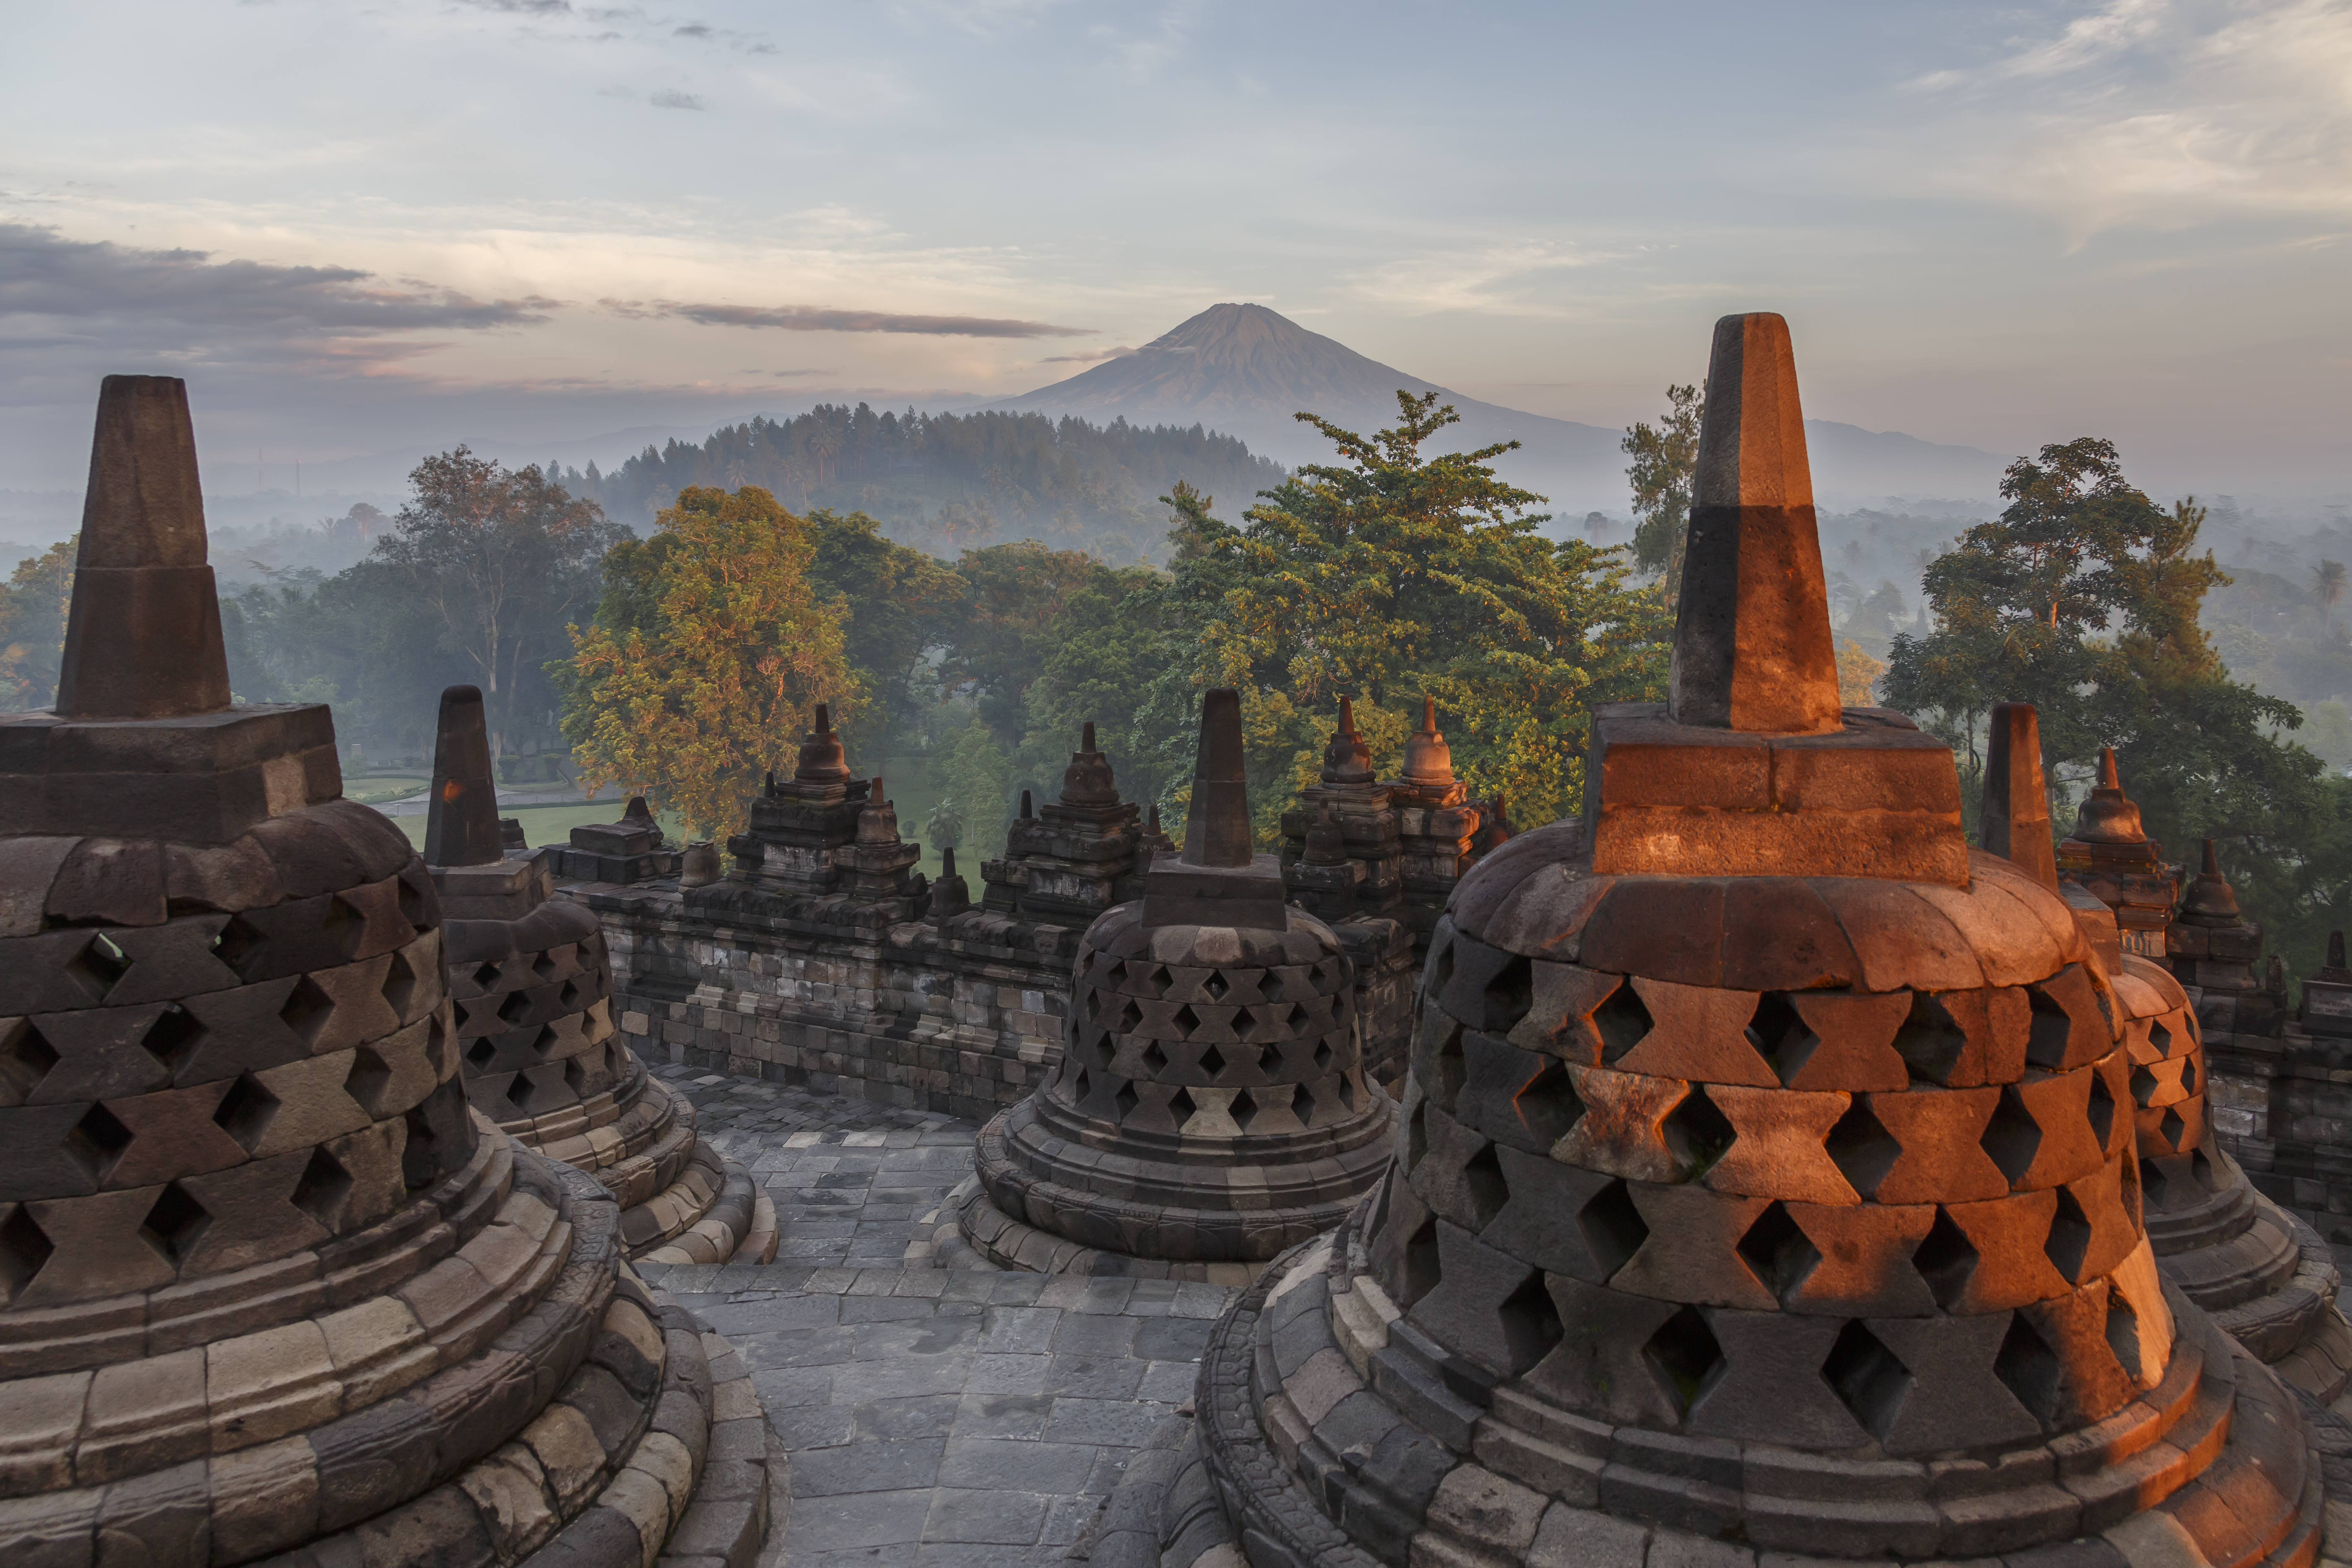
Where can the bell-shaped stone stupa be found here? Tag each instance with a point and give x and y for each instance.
(268, 1289)
(1767, 1182)
(2265, 1276)
(1211, 1107)
(533, 988)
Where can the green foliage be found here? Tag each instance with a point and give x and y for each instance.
(2083, 598)
(994, 641)
(33, 608)
(1666, 459)
(505, 558)
(894, 602)
(1100, 661)
(974, 772)
(718, 669)
(369, 633)
(1392, 575)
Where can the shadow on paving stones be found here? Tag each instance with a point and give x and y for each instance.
(935, 1419)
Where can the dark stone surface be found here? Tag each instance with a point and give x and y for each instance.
(461, 824)
(143, 635)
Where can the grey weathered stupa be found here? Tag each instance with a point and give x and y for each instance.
(533, 989)
(1767, 1191)
(271, 1291)
(1211, 1107)
(2266, 1277)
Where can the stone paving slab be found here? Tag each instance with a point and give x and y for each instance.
(849, 1178)
(934, 1418)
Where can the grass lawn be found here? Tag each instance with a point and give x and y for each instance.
(376, 789)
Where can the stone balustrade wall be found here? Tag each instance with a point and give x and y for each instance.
(961, 1016)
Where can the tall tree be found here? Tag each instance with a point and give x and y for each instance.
(2327, 586)
(709, 660)
(2083, 598)
(2022, 603)
(1666, 458)
(897, 605)
(1388, 575)
(505, 557)
(995, 643)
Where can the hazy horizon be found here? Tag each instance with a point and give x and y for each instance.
(356, 231)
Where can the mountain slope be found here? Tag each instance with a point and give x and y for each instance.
(1244, 370)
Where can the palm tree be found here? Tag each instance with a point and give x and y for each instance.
(2328, 586)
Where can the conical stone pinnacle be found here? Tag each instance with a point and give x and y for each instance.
(1217, 824)
(461, 822)
(1752, 649)
(2016, 803)
(143, 635)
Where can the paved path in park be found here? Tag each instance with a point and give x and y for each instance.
(935, 1418)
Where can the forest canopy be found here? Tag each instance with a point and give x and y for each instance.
(948, 481)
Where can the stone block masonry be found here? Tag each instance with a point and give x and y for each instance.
(960, 1016)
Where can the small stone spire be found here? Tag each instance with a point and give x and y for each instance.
(2210, 900)
(1087, 780)
(2334, 969)
(822, 760)
(2016, 803)
(948, 893)
(1028, 810)
(143, 635)
(1428, 760)
(1347, 760)
(877, 823)
(2109, 816)
(1217, 824)
(1752, 647)
(461, 822)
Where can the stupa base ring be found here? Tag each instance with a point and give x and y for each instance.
(972, 1223)
(2263, 1275)
(1326, 1445)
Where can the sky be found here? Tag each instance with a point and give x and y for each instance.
(358, 226)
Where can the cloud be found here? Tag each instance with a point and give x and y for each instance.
(1121, 353)
(2087, 40)
(2158, 114)
(44, 275)
(670, 98)
(691, 30)
(813, 319)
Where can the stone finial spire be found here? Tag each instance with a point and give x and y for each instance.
(2334, 969)
(2211, 900)
(1752, 648)
(1087, 780)
(1428, 760)
(1347, 760)
(1217, 824)
(2109, 816)
(2016, 803)
(461, 822)
(143, 635)
(822, 760)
